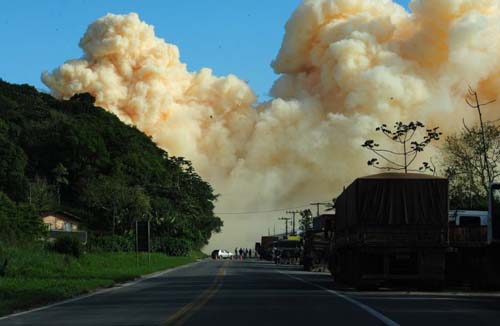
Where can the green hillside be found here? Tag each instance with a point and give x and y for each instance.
(73, 156)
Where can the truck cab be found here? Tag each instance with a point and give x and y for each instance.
(468, 218)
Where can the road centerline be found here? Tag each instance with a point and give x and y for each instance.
(386, 320)
(185, 312)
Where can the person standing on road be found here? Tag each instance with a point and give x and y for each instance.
(297, 256)
(277, 256)
(285, 257)
(241, 252)
(236, 252)
(249, 253)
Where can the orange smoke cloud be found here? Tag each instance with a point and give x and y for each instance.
(346, 66)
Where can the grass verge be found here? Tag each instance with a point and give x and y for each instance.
(36, 276)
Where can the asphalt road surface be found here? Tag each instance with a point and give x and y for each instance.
(253, 292)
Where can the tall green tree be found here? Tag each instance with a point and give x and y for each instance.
(472, 100)
(306, 220)
(120, 204)
(464, 165)
(60, 174)
(13, 163)
(42, 195)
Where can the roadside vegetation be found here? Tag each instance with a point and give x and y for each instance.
(37, 275)
(72, 156)
(470, 158)
(75, 157)
(464, 164)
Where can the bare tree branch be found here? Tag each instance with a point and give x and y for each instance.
(484, 104)
(402, 134)
(385, 158)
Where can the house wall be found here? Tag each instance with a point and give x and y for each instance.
(58, 223)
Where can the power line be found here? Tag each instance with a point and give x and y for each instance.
(264, 211)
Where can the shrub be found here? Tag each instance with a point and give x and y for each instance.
(111, 243)
(4, 262)
(171, 246)
(68, 245)
(126, 243)
(18, 223)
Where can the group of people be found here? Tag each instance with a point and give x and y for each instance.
(243, 253)
(286, 256)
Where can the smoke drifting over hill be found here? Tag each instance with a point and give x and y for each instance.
(346, 66)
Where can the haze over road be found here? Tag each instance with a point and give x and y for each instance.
(260, 293)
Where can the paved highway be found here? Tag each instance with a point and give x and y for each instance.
(259, 293)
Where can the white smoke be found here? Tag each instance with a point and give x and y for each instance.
(346, 66)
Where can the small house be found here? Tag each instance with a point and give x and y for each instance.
(63, 223)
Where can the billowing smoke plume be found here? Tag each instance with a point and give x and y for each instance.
(346, 66)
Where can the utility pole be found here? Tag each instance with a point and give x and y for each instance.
(293, 220)
(286, 219)
(317, 207)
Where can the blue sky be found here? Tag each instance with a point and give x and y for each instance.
(239, 37)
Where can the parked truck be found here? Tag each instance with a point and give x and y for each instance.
(317, 243)
(286, 251)
(266, 247)
(391, 228)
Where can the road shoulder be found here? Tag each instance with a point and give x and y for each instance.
(99, 291)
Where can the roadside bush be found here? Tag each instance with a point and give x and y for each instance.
(68, 245)
(18, 223)
(4, 261)
(111, 243)
(171, 246)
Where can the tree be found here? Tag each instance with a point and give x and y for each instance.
(12, 166)
(471, 159)
(464, 165)
(61, 178)
(41, 195)
(472, 99)
(120, 204)
(306, 220)
(403, 135)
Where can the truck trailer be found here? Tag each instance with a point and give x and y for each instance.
(391, 228)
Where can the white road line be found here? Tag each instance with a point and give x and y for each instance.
(84, 296)
(415, 294)
(386, 320)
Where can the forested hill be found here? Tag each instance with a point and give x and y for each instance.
(73, 156)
